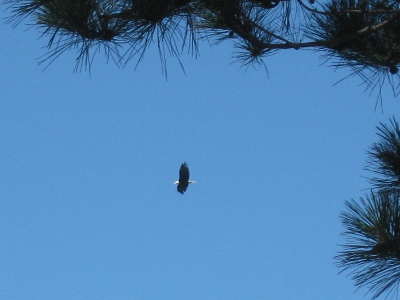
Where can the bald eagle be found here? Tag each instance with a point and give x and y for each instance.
(183, 181)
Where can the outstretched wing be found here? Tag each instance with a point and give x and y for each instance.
(183, 178)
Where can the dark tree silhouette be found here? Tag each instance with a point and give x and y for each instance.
(384, 156)
(372, 225)
(363, 35)
(372, 252)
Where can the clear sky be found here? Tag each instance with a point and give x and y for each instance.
(88, 209)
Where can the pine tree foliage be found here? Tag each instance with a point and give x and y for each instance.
(372, 253)
(360, 34)
(365, 36)
(374, 48)
(372, 225)
(384, 156)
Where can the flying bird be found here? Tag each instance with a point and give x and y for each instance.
(183, 181)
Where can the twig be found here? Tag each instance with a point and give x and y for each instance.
(345, 11)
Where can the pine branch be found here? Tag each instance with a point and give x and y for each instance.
(372, 251)
(384, 156)
(363, 34)
(346, 11)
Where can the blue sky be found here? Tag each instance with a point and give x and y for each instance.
(88, 208)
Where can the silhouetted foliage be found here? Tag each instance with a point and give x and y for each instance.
(372, 225)
(373, 235)
(363, 35)
(384, 156)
